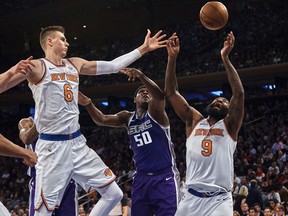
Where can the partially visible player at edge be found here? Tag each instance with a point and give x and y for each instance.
(211, 141)
(61, 148)
(156, 182)
(69, 203)
(9, 149)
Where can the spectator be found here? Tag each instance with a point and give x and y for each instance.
(244, 209)
(254, 195)
(267, 211)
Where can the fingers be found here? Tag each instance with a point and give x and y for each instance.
(163, 42)
(177, 42)
(161, 37)
(148, 34)
(30, 62)
(132, 73)
(157, 34)
(25, 163)
(24, 66)
(173, 41)
(173, 36)
(28, 163)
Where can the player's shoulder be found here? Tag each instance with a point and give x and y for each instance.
(125, 113)
(76, 59)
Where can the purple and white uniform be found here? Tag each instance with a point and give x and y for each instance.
(156, 182)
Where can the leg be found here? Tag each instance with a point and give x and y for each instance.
(69, 202)
(141, 205)
(110, 196)
(91, 172)
(165, 194)
(53, 171)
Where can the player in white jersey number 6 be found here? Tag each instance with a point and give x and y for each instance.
(210, 141)
(61, 148)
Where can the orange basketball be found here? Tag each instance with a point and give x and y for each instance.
(213, 15)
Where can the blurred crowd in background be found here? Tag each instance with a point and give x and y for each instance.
(260, 160)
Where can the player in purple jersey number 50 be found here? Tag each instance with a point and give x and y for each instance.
(156, 182)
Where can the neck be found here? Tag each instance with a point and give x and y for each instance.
(55, 59)
(140, 112)
(212, 120)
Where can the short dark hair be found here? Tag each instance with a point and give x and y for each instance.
(47, 31)
(137, 90)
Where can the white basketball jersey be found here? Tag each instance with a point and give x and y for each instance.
(56, 99)
(209, 157)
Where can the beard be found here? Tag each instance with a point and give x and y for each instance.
(215, 113)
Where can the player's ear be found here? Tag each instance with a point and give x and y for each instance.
(49, 41)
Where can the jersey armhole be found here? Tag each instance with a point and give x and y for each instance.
(228, 132)
(192, 129)
(43, 73)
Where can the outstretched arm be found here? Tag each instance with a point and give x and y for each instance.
(9, 149)
(157, 103)
(236, 109)
(16, 74)
(114, 66)
(188, 114)
(117, 120)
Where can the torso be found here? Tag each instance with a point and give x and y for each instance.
(209, 157)
(151, 144)
(56, 98)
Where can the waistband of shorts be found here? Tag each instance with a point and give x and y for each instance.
(165, 170)
(60, 137)
(205, 194)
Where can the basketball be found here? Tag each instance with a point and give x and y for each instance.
(213, 15)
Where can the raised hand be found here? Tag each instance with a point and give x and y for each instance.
(24, 66)
(228, 44)
(173, 46)
(132, 73)
(155, 42)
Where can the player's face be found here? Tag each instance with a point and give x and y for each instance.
(218, 108)
(143, 97)
(60, 44)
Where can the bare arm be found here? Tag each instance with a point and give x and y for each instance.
(27, 131)
(9, 149)
(236, 109)
(188, 114)
(114, 66)
(117, 120)
(24, 69)
(125, 210)
(157, 104)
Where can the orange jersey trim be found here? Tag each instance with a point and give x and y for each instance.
(44, 73)
(109, 182)
(45, 203)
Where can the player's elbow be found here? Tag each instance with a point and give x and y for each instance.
(169, 94)
(25, 140)
(239, 94)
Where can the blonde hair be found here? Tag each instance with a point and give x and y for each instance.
(236, 213)
(243, 191)
(47, 31)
